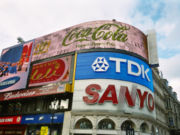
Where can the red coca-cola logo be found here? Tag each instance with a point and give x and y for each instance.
(47, 72)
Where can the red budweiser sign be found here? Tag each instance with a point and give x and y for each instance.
(33, 92)
(51, 71)
(10, 120)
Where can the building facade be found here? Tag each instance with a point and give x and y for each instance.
(95, 78)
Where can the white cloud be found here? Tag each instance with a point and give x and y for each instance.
(31, 19)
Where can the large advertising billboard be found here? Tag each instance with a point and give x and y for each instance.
(96, 34)
(105, 95)
(14, 66)
(117, 66)
(56, 70)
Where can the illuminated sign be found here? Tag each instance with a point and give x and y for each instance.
(44, 130)
(48, 90)
(43, 118)
(110, 95)
(108, 65)
(103, 95)
(50, 71)
(9, 82)
(96, 34)
(104, 32)
(14, 67)
(10, 120)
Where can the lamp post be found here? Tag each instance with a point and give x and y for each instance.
(53, 107)
(20, 40)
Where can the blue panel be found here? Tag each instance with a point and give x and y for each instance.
(108, 65)
(13, 54)
(9, 82)
(42, 119)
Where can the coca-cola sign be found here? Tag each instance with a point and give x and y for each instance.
(96, 34)
(50, 71)
(48, 90)
(103, 32)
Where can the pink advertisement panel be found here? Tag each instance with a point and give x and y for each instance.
(96, 34)
(14, 66)
(57, 70)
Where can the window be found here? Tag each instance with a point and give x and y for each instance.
(1, 109)
(106, 124)
(127, 125)
(83, 124)
(18, 107)
(31, 106)
(144, 127)
(39, 105)
(153, 130)
(11, 108)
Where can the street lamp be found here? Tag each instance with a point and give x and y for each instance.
(53, 106)
(20, 40)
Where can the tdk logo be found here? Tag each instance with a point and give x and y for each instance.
(133, 68)
(100, 65)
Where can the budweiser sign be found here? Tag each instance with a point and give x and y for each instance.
(33, 92)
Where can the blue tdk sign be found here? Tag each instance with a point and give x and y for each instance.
(108, 65)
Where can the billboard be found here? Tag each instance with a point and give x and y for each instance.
(57, 70)
(117, 66)
(105, 95)
(41, 91)
(96, 34)
(43, 118)
(10, 120)
(14, 66)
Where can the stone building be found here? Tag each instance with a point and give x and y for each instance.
(166, 123)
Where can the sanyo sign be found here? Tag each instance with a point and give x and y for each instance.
(113, 96)
(108, 65)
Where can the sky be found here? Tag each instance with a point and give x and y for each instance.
(35, 18)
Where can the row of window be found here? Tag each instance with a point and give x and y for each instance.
(108, 124)
(36, 105)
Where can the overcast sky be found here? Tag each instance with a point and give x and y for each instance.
(34, 18)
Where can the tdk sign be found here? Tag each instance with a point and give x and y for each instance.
(101, 65)
(108, 65)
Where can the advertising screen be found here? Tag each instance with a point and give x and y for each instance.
(96, 34)
(14, 66)
(105, 95)
(117, 66)
(57, 70)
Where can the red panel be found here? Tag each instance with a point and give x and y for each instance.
(10, 120)
(51, 71)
